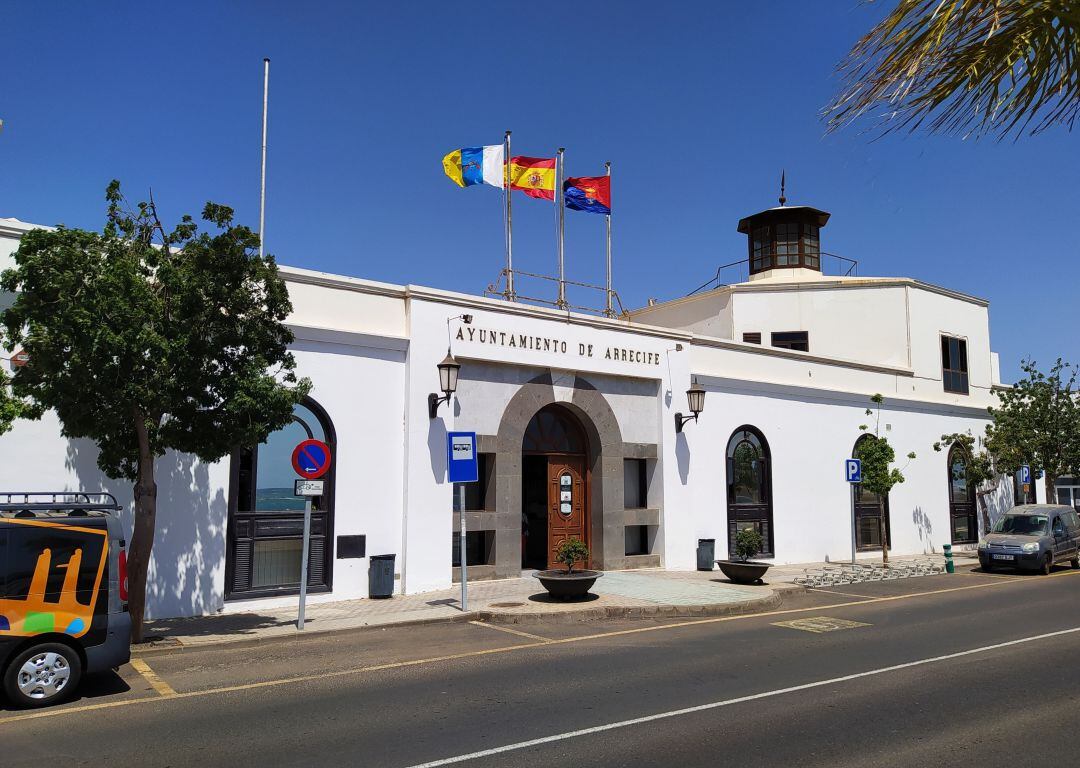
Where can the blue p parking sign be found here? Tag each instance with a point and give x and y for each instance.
(1025, 473)
(853, 470)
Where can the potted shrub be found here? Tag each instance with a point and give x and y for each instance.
(748, 542)
(569, 584)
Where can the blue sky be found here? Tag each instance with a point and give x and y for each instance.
(698, 106)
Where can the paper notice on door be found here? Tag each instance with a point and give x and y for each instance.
(565, 480)
(564, 496)
(565, 509)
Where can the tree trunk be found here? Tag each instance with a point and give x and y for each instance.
(884, 531)
(142, 536)
(1051, 491)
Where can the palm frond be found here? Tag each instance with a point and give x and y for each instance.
(969, 67)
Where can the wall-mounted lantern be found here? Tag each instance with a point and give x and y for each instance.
(448, 381)
(695, 398)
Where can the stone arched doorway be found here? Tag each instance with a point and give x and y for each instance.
(554, 485)
(599, 448)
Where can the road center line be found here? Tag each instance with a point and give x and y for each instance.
(740, 700)
(151, 677)
(507, 649)
(508, 630)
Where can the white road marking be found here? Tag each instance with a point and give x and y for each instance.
(508, 630)
(728, 702)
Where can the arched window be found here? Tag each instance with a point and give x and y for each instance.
(553, 430)
(868, 509)
(749, 487)
(266, 521)
(964, 525)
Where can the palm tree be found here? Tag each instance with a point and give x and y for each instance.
(969, 67)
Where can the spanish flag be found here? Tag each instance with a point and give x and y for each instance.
(535, 176)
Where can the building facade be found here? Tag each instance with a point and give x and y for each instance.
(577, 431)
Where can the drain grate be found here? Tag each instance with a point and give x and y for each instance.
(507, 605)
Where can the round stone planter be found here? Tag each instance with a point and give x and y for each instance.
(748, 572)
(568, 586)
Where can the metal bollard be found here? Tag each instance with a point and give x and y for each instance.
(949, 566)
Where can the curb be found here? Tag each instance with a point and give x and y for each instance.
(175, 645)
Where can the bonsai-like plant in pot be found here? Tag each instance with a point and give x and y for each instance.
(568, 584)
(748, 542)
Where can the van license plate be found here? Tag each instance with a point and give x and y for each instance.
(1003, 557)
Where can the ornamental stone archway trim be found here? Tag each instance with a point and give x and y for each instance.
(605, 459)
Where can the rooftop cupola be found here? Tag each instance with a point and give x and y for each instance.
(784, 238)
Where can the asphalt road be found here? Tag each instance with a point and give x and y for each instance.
(969, 669)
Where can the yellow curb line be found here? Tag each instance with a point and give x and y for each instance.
(151, 676)
(517, 632)
(505, 649)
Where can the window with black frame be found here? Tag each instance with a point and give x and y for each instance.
(954, 367)
(762, 249)
(796, 340)
(749, 500)
(266, 520)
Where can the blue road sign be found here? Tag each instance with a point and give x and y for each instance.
(461, 457)
(1025, 473)
(853, 470)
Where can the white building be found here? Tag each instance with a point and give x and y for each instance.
(788, 361)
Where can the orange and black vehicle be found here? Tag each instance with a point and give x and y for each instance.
(63, 593)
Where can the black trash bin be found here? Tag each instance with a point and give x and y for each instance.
(706, 554)
(381, 576)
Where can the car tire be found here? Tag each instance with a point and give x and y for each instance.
(987, 568)
(42, 675)
(1048, 565)
(1075, 562)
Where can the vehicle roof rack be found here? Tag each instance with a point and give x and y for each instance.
(57, 500)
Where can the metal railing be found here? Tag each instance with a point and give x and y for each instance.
(498, 288)
(716, 281)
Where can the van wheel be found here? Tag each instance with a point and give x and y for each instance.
(1048, 565)
(1075, 562)
(42, 675)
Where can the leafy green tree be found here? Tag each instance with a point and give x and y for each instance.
(10, 407)
(878, 475)
(1038, 423)
(970, 67)
(145, 341)
(570, 551)
(981, 471)
(748, 542)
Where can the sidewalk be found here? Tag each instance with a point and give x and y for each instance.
(648, 593)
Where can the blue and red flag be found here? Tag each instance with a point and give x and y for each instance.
(588, 193)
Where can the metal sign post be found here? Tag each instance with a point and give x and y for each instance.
(311, 460)
(304, 563)
(462, 467)
(462, 539)
(853, 474)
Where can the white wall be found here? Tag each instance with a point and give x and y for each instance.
(187, 569)
(934, 315)
(809, 437)
(868, 324)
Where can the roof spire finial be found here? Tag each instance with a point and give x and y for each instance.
(783, 174)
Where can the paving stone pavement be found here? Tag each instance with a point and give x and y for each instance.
(640, 593)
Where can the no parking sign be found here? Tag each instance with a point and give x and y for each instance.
(311, 459)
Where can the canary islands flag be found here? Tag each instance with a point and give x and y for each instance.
(475, 165)
(588, 193)
(535, 176)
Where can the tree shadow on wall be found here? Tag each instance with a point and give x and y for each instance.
(189, 543)
(924, 527)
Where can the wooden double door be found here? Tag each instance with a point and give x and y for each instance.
(567, 505)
